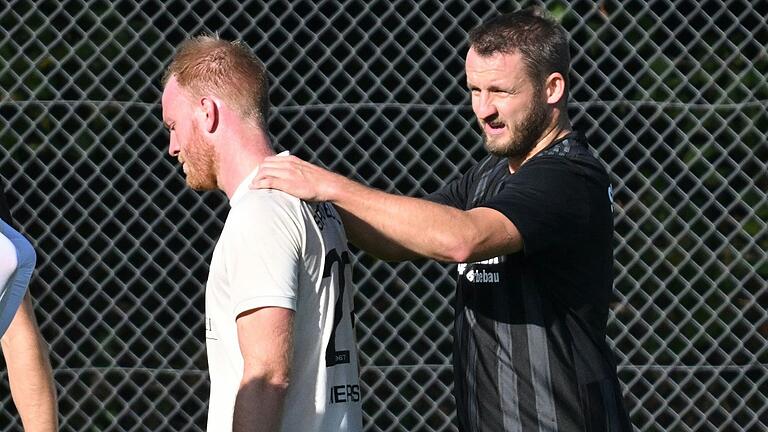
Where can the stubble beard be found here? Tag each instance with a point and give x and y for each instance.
(201, 163)
(525, 134)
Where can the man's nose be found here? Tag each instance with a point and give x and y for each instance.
(484, 106)
(173, 146)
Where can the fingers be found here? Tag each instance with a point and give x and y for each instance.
(291, 175)
(273, 165)
(263, 183)
(287, 167)
(282, 160)
(272, 169)
(284, 166)
(265, 178)
(274, 174)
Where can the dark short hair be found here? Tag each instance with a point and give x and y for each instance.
(207, 64)
(533, 34)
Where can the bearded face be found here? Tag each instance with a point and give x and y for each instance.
(512, 111)
(199, 161)
(187, 142)
(523, 132)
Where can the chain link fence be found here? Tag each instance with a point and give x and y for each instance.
(673, 95)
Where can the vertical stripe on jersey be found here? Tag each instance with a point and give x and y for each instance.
(609, 401)
(482, 185)
(459, 360)
(507, 381)
(541, 374)
(472, 396)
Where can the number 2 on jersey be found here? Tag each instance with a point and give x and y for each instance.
(333, 357)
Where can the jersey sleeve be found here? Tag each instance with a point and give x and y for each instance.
(457, 192)
(263, 252)
(548, 203)
(453, 194)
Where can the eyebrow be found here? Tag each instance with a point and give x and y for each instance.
(495, 88)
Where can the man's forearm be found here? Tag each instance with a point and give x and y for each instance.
(29, 371)
(375, 243)
(395, 227)
(258, 406)
(265, 336)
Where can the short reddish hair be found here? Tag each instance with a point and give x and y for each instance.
(207, 65)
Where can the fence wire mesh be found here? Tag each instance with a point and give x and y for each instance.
(673, 95)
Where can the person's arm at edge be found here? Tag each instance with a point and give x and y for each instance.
(266, 343)
(395, 227)
(29, 371)
(374, 242)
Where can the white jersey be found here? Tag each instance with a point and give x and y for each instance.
(276, 250)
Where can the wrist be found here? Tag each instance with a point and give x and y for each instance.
(333, 190)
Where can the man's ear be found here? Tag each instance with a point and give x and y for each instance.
(555, 88)
(210, 111)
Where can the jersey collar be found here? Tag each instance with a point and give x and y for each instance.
(244, 185)
(242, 188)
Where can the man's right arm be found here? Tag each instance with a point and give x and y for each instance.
(396, 227)
(29, 371)
(266, 343)
(363, 235)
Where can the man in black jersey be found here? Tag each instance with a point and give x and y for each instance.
(531, 226)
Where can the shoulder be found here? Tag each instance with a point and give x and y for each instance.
(263, 211)
(477, 182)
(571, 157)
(488, 164)
(265, 202)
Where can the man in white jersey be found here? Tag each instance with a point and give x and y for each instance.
(278, 302)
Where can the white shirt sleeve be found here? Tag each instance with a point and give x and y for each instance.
(263, 251)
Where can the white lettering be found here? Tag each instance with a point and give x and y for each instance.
(482, 276)
(610, 195)
(496, 260)
(490, 261)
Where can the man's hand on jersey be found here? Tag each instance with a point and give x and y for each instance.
(296, 177)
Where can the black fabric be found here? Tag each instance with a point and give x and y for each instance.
(5, 211)
(530, 348)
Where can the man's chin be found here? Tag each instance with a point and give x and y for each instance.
(506, 149)
(496, 147)
(199, 186)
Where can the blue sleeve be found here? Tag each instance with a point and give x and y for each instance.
(12, 292)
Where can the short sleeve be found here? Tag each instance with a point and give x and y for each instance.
(464, 192)
(547, 201)
(453, 194)
(263, 251)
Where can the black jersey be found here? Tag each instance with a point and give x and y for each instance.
(530, 350)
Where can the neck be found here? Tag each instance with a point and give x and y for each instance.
(554, 132)
(240, 154)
